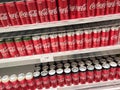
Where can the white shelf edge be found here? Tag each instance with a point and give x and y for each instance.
(59, 23)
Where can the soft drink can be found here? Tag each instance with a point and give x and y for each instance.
(75, 75)
(117, 8)
(74, 64)
(88, 62)
(1, 84)
(90, 73)
(52, 67)
(118, 70)
(45, 68)
(103, 61)
(81, 63)
(59, 65)
(67, 65)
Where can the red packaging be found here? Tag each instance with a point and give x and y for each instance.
(54, 43)
(116, 35)
(23, 13)
(13, 13)
(1, 24)
(53, 78)
(73, 9)
(32, 10)
(91, 7)
(79, 39)
(90, 74)
(60, 77)
(96, 37)
(83, 75)
(110, 6)
(45, 79)
(37, 44)
(98, 73)
(117, 8)
(29, 45)
(68, 76)
(11, 47)
(62, 37)
(75, 75)
(105, 36)
(63, 9)
(71, 40)
(118, 70)
(100, 7)
(42, 10)
(4, 50)
(20, 46)
(1, 84)
(46, 43)
(4, 18)
(119, 35)
(52, 10)
(81, 8)
(88, 39)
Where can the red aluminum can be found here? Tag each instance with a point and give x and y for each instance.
(79, 39)
(1, 84)
(46, 43)
(37, 44)
(98, 73)
(13, 13)
(100, 7)
(11, 47)
(110, 6)
(1, 24)
(75, 75)
(117, 8)
(81, 8)
(4, 18)
(90, 73)
(20, 46)
(42, 10)
(60, 77)
(118, 70)
(45, 79)
(63, 9)
(116, 35)
(32, 10)
(23, 13)
(62, 37)
(68, 76)
(119, 35)
(52, 10)
(105, 71)
(53, 78)
(83, 74)
(4, 50)
(71, 40)
(54, 42)
(88, 39)
(91, 7)
(29, 45)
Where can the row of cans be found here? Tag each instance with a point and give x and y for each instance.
(53, 74)
(66, 41)
(38, 11)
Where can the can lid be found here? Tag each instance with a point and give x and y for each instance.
(29, 76)
(36, 74)
(13, 78)
(103, 61)
(5, 79)
(44, 36)
(73, 64)
(51, 63)
(65, 61)
(98, 66)
(66, 65)
(9, 40)
(45, 68)
(35, 37)
(27, 38)
(90, 67)
(59, 71)
(67, 70)
(82, 68)
(118, 63)
(21, 77)
(52, 66)
(44, 73)
(79, 32)
(52, 72)
(96, 62)
(81, 63)
(109, 59)
(59, 65)
(37, 68)
(106, 66)
(53, 36)
(88, 62)
(113, 64)
(75, 69)
(18, 39)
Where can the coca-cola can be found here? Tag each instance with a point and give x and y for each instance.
(83, 74)
(4, 18)
(105, 71)
(23, 13)
(95, 61)
(32, 11)
(1, 24)
(90, 73)
(60, 77)
(13, 13)
(117, 7)
(67, 65)
(53, 78)
(46, 43)
(75, 75)
(88, 62)
(45, 79)
(74, 64)
(63, 9)
(109, 59)
(52, 67)
(52, 10)
(59, 65)
(117, 59)
(45, 68)
(81, 63)
(98, 73)
(118, 70)
(42, 10)
(11, 47)
(1, 84)
(29, 45)
(103, 61)
(68, 76)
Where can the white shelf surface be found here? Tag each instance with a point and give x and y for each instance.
(34, 59)
(59, 23)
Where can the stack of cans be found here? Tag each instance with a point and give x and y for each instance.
(38, 11)
(61, 73)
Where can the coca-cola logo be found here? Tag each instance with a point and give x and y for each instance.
(112, 73)
(29, 47)
(100, 5)
(4, 50)
(83, 78)
(63, 43)
(38, 83)
(23, 84)
(52, 0)
(38, 46)
(110, 4)
(72, 8)
(61, 80)
(22, 48)
(118, 3)
(54, 44)
(81, 8)
(46, 45)
(46, 82)
(12, 49)
(68, 79)
(92, 6)
(3, 16)
(14, 15)
(96, 39)
(75, 79)
(31, 83)
(105, 75)
(43, 12)
(53, 81)
(63, 10)
(90, 77)
(71, 42)
(16, 86)
(87, 40)
(79, 42)
(104, 38)
(53, 11)
(98, 76)
(114, 37)
(23, 14)
(33, 13)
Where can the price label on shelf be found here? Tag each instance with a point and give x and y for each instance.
(46, 58)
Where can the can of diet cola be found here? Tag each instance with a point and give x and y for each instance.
(13, 13)
(23, 13)
(90, 73)
(75, 75)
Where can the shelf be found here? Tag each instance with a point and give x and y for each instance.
(60, 23)
(34, 59)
